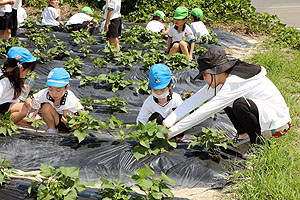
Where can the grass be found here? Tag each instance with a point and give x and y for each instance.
(275, 174)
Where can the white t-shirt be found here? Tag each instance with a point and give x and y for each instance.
(114, 5)
(21, 15)
(6, 91)
(50, 16)
(5, 8)
(186, 35)
(150, 106)
(199, 29)
(79, 18)
(71, 102)
(155, 26)
(272, 109)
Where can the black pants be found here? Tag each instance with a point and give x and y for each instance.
(245, 118)
(15, 23)
(77, 27)
(159, 120)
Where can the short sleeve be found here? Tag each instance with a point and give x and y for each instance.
(41, 96)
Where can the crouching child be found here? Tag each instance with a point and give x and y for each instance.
(57, 101)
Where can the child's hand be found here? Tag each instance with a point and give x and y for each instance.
(64, 120)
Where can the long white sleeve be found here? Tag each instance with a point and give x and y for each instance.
(189, 105)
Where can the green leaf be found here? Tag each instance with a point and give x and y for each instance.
(139, 152)
(166, 178)
(146, 184)
(72, 172)
(46, 170)
(80, 135)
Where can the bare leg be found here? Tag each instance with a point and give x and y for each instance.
(19, 112)
(7, 34)
(114, 41)
(184, 48)
(174, 49)
(50, 116)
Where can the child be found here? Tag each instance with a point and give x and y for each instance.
(162, 100)
(57, 101)
(81, 20)
(197, 26)
(113, 22)
(156, 25)
(51, 16)
(19, 63)
(252, 102)
(15, 7)
(21, 16)
(6, 23)
(181, 38)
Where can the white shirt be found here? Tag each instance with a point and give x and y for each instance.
(49, 16)
(150, 106)
(79, 18)
(273, 111)
(6, 91)
(199, 29)
(5, 8)
(114, 5)
(72, 102)
(21, 15)
(155, 26)
(186, 35)
(17, 5)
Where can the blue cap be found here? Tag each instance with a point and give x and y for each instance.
(58, 77)
(21, 54)
(159, 76)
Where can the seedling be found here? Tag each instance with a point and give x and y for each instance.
(7, 125)
(5, 170)
(117, 81)
(151, 137)
(154, 188)
(98, 62)
(85, 50)
(58, 51)
(210, 138)
(74, 66)
(62, 183)
(116, 104)
(41, 40)
(114, 190)
(129, 58)
(35, 123)
(90, 80)
(81, 123)
(154, 57)
(5, 45)
(143, 87)
(179, 62)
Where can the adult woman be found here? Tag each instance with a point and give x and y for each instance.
(252, 102)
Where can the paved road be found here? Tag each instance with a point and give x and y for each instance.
(287, 10)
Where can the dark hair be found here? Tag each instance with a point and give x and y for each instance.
(13, 74)
(155, 17)
(196, 19)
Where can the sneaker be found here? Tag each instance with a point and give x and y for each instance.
(50, 130)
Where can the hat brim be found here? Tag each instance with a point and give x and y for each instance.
(54, 84)
(162, 86)
(179, 17)
(217, 69)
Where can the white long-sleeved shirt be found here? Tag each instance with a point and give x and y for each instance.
(150, 106)
(273, 111)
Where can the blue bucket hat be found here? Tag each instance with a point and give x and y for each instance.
(58, 77)
(159, 76)
(20, 54)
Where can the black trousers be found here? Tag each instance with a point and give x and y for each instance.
(15, 23)
(244, 116)
(159, 120)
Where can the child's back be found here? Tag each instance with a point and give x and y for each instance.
(197, 26)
